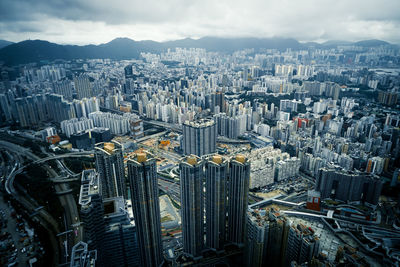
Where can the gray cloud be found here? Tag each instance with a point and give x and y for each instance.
(96, 21)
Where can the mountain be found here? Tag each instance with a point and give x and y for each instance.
(125, 48)
(371, 43)
(335, 43)
(4, 43)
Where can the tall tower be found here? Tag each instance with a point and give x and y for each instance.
(110, 165)
(142, 174)
(216, 171)
(199, 138)
(92, 210)
(192, 210)
(239, 176)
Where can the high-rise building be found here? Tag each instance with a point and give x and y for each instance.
(267, 233)
(302, 244)
(120, 244)
(199, 138)
(110, 165)
(106, 225)
(5, 107)
(83, 87)
(239, 176)
(216, 171)
(92, 210)
(348, 186)
(64, 88)
(142, 174)
(192, 205)
(81, 256)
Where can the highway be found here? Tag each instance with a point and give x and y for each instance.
(171, 188)
(30, 205)
(66, 200)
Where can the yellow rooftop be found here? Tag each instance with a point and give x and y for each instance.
(217, 159)
(240, 158)
(109, 147)
(191, 160)
(141, 157)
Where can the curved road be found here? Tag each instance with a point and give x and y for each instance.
(66, 200)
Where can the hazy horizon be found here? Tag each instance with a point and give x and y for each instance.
(197, 38)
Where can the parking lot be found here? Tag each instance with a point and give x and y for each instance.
(18, 242)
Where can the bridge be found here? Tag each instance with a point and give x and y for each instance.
(67, 155)
(59, 193)
(66, 179)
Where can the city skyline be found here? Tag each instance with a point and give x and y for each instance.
(96, 22)
(212, 152)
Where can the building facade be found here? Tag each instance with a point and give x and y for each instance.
(110, 165)
(216, 172)
(142, 175)
(192, 205)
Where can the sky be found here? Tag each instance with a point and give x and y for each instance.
(99, 21)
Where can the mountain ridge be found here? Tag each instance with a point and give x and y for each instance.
(125, 48)
(4, 43)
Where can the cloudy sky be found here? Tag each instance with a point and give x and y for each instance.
(99, 21)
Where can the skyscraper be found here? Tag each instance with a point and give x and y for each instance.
(110, 165)
(267, 233)
(302, 244)
(106, 225)
(142, 174)
(81, 256)
(92, 210)
(192, 210)
(216, 171)
(199, 138)
(239, 176)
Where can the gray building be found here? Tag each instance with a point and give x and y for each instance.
(239, 177)
(216, 172)
(302, 244)
(120, 244)
(63, 88)
(192, 205)
(92, 210)
(348, 186)
(267, 234)
(142, 174)
(83, 87)
(81, 256)
(106, 225)
(110, 165)
(199, 138)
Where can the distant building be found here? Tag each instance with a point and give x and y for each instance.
(388, 98)
(83, 87)
(346, 186)
(199, 138)
(81, 140)
(100, 135)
